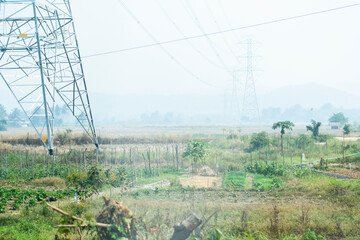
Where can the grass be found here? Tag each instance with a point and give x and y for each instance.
(49, 182)
(284, 208)
(235, 180)
(162, 177)
(263, 182)
(31, 224)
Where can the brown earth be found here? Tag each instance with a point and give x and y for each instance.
(201, 182)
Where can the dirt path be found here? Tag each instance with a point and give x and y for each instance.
(153, 186)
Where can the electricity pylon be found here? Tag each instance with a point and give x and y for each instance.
(250, 108)
(235, 103)
(40, 62)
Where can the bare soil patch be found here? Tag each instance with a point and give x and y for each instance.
(201, 182)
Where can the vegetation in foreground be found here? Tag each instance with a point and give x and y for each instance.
(261, 195)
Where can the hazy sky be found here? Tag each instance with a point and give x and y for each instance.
(324, 49)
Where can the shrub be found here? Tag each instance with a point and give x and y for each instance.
(258, 141)
(311, 235)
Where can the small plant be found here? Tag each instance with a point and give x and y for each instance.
(175, 182)
(16, 205)
(277, 182)
(80, 208)
(311, 235)
(32, 202)
(216, 235)
(196, 150)
(87, 183)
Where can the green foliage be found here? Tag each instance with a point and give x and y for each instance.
(234, 180)
(258, 141)
(196, 150)
(3, 113)
(116, 177)
(216, 235)
(65, 137)
(3, 125)
(303, 140)
(264, 183)
(338, 117)
(283, 125)
(323, 138)
(347, 129)
(31, 196)
(311, 235)
(87, 183)
(91, 182)
(314, 128)
(272, 169)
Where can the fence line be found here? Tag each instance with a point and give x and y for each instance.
(325, 159)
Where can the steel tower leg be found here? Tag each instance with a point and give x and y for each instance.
(40, 60)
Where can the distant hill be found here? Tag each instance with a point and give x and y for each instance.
(114, 107)
(308, 95)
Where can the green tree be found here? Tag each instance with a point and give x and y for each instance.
(16, 116)
(258, 140)
(283, 125)
(339, 117)
(224, 130)
(347, 129)
(3, 113)
(3, 125)
(314, 128)
(196, 150)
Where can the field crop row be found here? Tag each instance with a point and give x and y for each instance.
(30, 196)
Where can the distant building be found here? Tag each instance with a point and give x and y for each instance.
(335, 125)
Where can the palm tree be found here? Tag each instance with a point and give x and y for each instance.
(314, 128)
(224, 130)
(284, 125)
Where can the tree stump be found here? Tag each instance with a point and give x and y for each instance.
(183, 230)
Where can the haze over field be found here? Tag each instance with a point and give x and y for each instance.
(309, 61)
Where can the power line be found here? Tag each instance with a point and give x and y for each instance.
(218, 28)
(227, 19)
(161, 46)
(193, 16)
(223, 31)
(183, 34)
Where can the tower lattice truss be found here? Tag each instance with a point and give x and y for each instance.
(40, 62)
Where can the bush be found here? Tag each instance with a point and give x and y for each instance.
(258, 141)
(272, 169)
(323, 138)
(311, 235)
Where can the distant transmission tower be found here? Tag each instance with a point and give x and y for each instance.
(235, 103)
(250, 108)
(40, 60)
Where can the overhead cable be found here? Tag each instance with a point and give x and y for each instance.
(222, 31)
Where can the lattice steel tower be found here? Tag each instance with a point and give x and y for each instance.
(235, 103)
(250, 108)
(40, 61)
